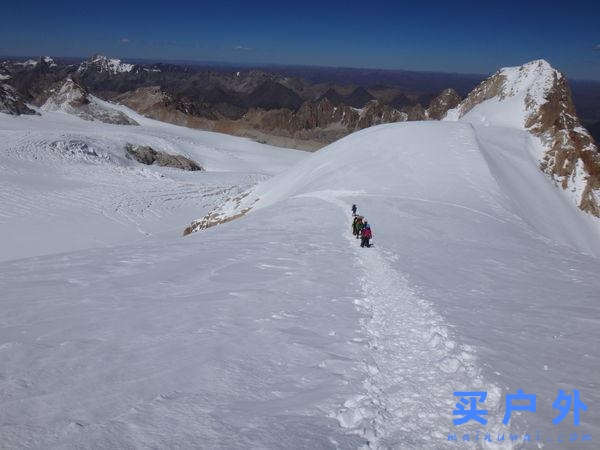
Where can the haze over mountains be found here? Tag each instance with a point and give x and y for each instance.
(293, 106)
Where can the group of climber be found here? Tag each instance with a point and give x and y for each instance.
(361, 228)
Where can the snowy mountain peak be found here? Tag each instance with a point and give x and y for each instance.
(102, 63)
(32, 63)
(48, 61)
(69, 94)
(536, 97)
(516, 91)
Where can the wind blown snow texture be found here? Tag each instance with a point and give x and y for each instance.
(67, 185)
(276, 330)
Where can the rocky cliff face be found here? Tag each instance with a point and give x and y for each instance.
(537, 98)
(11, 102)
(441, 104)
(572, 157)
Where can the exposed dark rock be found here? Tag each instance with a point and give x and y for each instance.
(440, 105)
(568, 144)
(322, 120)
(376, 113)
(147, 155)
(12, 103)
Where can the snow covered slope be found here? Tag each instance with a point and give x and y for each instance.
(467, 227)
(483, 169)
(509, 97)
(66, 183)
(276, 330)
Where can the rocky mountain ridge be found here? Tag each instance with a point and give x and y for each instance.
(335, 121)
(537, 98)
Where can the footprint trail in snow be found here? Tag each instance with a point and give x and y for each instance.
(414, 364)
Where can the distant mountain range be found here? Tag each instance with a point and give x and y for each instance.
(303, 107)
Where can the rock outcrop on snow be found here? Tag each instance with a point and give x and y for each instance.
(147, 155)
(218, 217)
(72, 98)
(11, 102)
(537, 98)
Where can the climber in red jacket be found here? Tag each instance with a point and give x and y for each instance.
(365, 234)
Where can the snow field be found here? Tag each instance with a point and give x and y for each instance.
(277, 330)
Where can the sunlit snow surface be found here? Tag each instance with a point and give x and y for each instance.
(276, 330)
(66, 183)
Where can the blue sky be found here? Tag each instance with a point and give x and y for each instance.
(475, 37)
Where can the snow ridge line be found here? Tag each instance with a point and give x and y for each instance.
(414, 363)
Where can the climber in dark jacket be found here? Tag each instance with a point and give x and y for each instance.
(353, 210)
(357, 225)
(365, 235)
